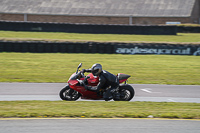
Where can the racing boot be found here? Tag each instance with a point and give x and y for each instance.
(107, 95)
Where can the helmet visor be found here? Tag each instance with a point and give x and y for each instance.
(95, 72)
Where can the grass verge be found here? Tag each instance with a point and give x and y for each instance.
(193, 38)
(57, 67)
(98, 109)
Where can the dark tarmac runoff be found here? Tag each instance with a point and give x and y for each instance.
(143, 92)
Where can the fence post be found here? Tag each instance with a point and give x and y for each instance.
(25, 17)
(130, 20)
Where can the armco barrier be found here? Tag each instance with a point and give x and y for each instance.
(88, 28)
(99, 47)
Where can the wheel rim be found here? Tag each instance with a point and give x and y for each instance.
(125, 94)
(73, 96)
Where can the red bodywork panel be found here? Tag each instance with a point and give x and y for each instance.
(73, 82)
(85, 94)
(93, 80)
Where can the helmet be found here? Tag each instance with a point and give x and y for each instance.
(96, 69)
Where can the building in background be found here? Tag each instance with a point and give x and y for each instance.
(102, 11)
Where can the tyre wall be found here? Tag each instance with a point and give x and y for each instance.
(99, 47)
(188, 29)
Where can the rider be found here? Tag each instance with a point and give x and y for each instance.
(106, 80)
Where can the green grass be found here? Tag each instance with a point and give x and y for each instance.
(57, 67)
(52, 36)
(84, 109)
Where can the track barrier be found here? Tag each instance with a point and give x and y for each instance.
(99, 47)
(88, 28)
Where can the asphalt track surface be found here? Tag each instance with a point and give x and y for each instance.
(49, 91)
(146, 92)
(98, 126)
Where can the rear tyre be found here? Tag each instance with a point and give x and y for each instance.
(69, 94)
(126, 93)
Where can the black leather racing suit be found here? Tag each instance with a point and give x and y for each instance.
(106, 80)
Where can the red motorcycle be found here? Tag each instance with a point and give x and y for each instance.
(75, 88)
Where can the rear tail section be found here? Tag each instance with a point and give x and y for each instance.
(122, 77)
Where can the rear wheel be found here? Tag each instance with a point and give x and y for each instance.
(69, 94)
(126, 92)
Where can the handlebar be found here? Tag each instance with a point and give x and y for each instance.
(87, 77)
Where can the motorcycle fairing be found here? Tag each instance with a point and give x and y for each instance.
(122, 76)
(73, 82)
(86, 94)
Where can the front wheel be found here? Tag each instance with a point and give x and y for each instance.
(69, 94)
(126, 93)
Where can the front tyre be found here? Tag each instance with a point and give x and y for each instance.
(69, 94)
(126, 93)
